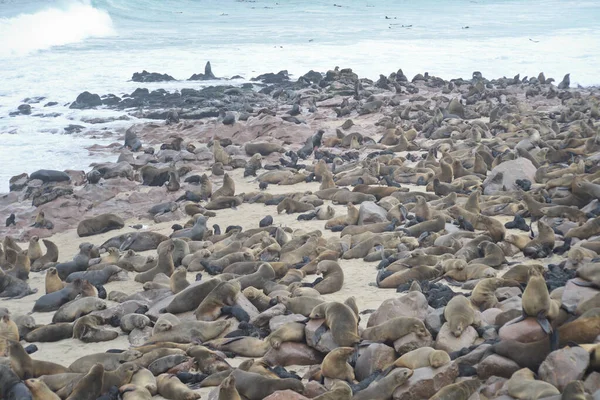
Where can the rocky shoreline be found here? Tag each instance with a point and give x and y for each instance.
(446, 178)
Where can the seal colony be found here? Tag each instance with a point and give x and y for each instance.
(390, 240)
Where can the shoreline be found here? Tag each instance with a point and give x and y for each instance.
(503, 115)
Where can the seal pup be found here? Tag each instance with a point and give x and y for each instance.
(341, 320)
(197, 232)
(384, 388)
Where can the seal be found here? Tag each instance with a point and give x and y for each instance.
(384, 388)
(50, 256)
(301, 305)
(13, 287)
(335, 364)
(90, 386)
(227, 190)
(290, 332)
(264, 149)
(53, 301)
(333, 277)
(483, 295)
(40, 391)
(173, 184)
(96, 277)
(165, 265)
(190, 298)
(132, 321)
(423, 357)
(100, 224)
(459, 314)
(188, 331)
(291, 206)
(50, 333)
(170, 387)
(145, 379)
(341, 320)
(394, 329)
(34, 251)
(11, 387)
(523, 385)
(227, 390)
(134, 392)
(88, 330)
(224, 294)
(458, 391)
(136, 241)
(178, 281)
(74, 309)
(256, 387)
(111, 361)
(196, 232)
(542, 245)
(26, 367)
(339, 391)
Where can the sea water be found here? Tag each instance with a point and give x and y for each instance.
(57, 49)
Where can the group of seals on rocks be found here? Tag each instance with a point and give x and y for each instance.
(470, 186)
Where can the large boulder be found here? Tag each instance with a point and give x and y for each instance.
(375, 356)
(563, 366)
(412, 304)
(503, 177)
(146, 76)
(86, 100)
(370, 213)
(496, 365)
(525, 331)
(448, 342)
(425, 382)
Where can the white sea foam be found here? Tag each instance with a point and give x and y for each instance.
(55, 26)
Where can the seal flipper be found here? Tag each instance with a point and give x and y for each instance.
(544, 323)
(583, 283)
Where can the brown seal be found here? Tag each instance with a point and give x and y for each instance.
(34, 251)
(384, 388)
(173, 184)
(341, 320)
(351, 218)
(50, 333)
(134, 392)
(26, 367)
(74, 309)
(290, 332)
(191, 297)
(145, 379)
(208, 361)
(170, 387)
(89, 329)
(483, 295)
(339, 391)
(188, 331)
(227, 190)
(458, 391)
(165, 265)
(178, 281)
(256, 387)
(90, 386)
(301, 305)
(225, 293)
(333, 277)
(541, 246)
(523, 385)
(50, 256)
(291, 206)
(40, 391)
(394, 329)
(258, 298)
(459, 314)
(335, 364)
(263, 148)
(423, 357)
(227, 390)
(99, 224)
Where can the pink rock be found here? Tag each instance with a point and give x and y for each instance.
(592, 382)
(373, 357)
(574, 295)
(489, 316)
(286, 395)
(425, 382)
(448, 342)
(495, 365)
(412, 342)
(563, 366)
(313, 389)
(326, 343)
(412, 304)
(526, 331)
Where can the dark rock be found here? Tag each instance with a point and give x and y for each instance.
(24, 109)
(374, 357)
(270, 78)
(146, 76)
(74, 129)
(437, 294)
(47, 194)
(86, 100)
(50, 104)
(412, 342)
(110, 100)
(18, 182)
(140, 92)
(313, 76)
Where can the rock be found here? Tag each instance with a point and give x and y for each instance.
(18, 182)
(370, 213)
(412, 342)
(502, 178)
(51, 104)
(229, 118)
(24, 109)
(488, 317)
(425, 382)
(313, 389)
(86, 100)
(563, 366)
(495, 365)
(73, 129)
(285, 395)
(280, 320)
(447, 341)
(506, 316)
(473, 357)
(375, 356)
(435, 320)
(493, 386)
(573, 295)
(513, 303)
(146, 76)
(370, 107)
(312, 76)
(592, 382)
(326, 343)
(77, 177)
(280, 77)
(525, 331)
(46, 194)
(243, 302)
(412, 304)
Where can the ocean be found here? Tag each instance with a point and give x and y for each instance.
(57, 49)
